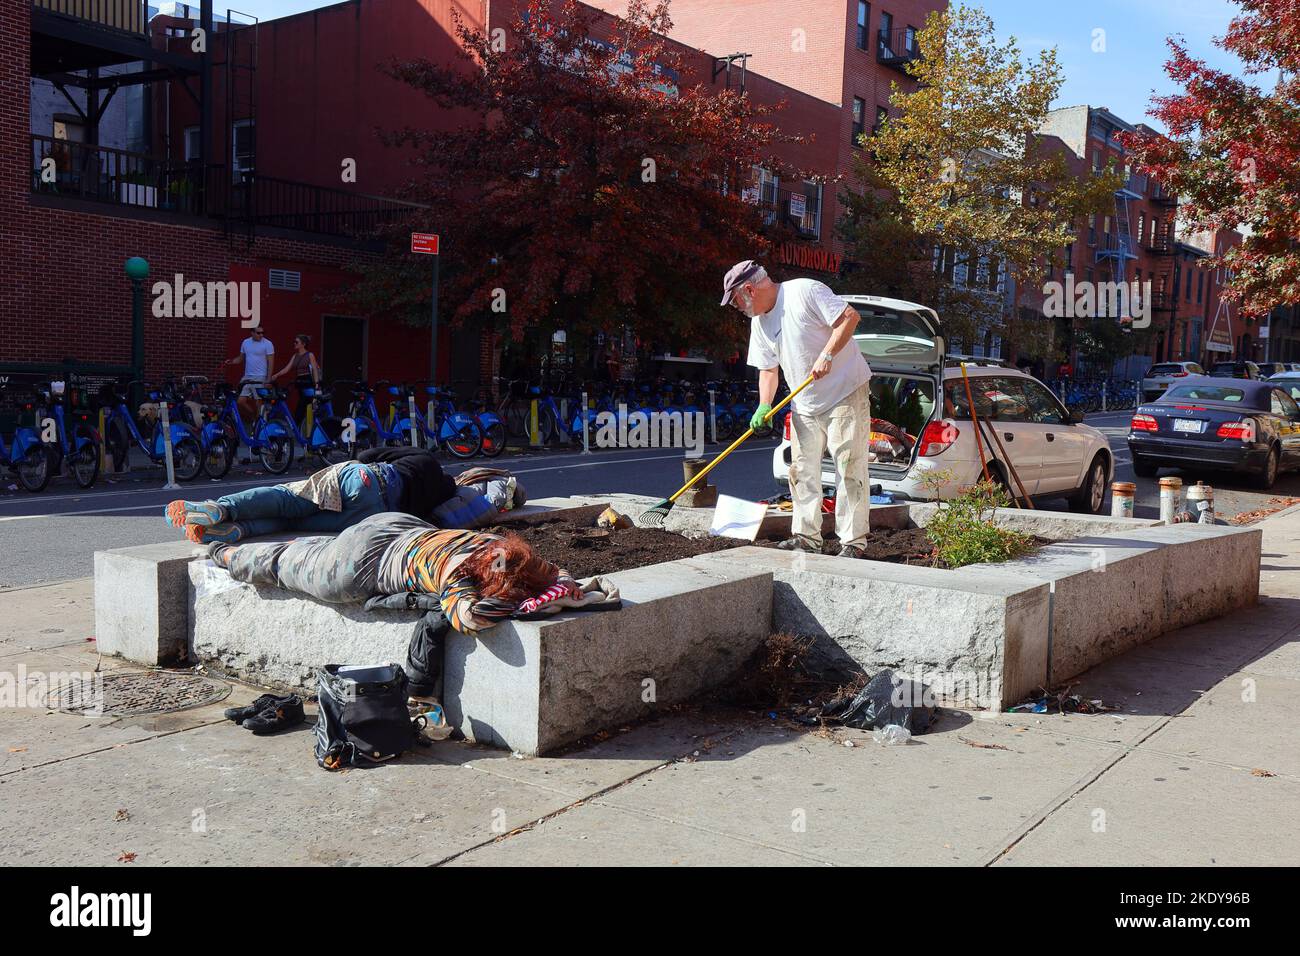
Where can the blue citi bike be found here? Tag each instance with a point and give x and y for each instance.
(271, 439)
(27, 457)
(78, 446)
(458, 432)
(120, 430)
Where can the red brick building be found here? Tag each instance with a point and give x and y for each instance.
(843, 52)
(242, 178)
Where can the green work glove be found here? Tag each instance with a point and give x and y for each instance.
(760, 413)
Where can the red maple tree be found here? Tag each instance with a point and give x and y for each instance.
(593, 182)
(1233, 150)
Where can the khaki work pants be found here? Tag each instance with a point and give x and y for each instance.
(843, 429)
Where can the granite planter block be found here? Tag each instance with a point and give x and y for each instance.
(275, 638)
(979, 637)
(532, 686)
(141, 607)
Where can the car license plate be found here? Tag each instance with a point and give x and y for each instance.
(1188, 425)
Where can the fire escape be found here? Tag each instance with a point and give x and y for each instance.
(192, 163)
(1159, 244)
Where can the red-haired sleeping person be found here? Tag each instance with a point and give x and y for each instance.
(478, 578)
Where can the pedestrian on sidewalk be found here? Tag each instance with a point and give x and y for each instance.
(304, 368)
(800, 327)
(257, 355)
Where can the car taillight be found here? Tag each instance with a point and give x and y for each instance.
(937, 437)
(1240, 431)
(1143, 423)
(787, 427)
(1179, 374)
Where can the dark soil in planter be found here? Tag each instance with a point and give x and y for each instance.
(572, 541)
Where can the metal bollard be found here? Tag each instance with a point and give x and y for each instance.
(1121, 499)
(713, 416)
(1200, 499)
(534, 439)
(1103, 395)
(1171, 490)
(415, 428)
(167, 447)
(564, 421)
(586, 446)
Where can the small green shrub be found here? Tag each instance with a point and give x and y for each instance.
(963, 530)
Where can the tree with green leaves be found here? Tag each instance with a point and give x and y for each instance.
(1232, 153)
(971, 175)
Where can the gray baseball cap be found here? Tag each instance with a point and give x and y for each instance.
(737, 276)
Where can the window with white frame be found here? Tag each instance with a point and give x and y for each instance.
(191, 144)
(241, 148)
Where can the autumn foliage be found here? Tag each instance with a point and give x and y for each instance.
(1232, 153)
(591, 180)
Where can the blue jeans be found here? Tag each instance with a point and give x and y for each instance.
(274, 508)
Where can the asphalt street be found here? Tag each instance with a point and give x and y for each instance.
(52, 536)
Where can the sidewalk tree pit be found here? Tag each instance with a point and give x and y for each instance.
(574, 542)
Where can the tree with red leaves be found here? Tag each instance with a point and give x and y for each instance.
(592, 184)
(1233, 151)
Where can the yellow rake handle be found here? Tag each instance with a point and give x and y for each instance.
(736, 444)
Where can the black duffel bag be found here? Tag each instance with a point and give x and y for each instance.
(362, 715)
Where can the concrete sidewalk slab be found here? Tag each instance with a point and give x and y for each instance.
(600, 835)
(1261, 731)
(48, 615)
(937, 801)
(259, 801)
(1159, 810)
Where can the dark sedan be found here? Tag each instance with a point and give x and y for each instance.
(1205, 423)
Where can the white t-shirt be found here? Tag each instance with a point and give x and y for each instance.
(794, 336)
(256, 355)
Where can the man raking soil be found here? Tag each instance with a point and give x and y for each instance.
(801, 328)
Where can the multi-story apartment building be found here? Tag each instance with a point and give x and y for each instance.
(232, 173)
(846, 53)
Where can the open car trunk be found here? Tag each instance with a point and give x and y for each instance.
(904, 345)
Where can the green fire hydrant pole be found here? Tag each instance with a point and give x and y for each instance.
(137, 270)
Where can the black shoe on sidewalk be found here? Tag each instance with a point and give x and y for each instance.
(241, 714)
(282, 712)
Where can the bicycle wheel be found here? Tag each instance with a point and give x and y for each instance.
(219, 457)
(548, 428)
(187, 459)
(363, 438)
(34, 468)
(119, 444)
(494, 439)
(466, 443)
(515, 414)
(276, 453)
(84, 464)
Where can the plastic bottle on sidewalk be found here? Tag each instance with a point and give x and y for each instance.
(891, 735)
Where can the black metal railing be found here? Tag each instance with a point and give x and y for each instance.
(1161, 244)
(121, 178)
(127, 16)
(283, 203)
(1163, 196)
(897, 47)
(104, 174)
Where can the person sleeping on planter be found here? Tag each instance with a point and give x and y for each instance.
(476, 578)
(406, 480)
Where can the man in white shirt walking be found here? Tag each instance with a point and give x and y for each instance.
(258, 357)
(800, 327)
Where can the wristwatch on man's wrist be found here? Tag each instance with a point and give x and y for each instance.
(828, 356)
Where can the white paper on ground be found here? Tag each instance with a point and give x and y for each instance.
(737, 518)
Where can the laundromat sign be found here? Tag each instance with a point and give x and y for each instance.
(808, 257)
